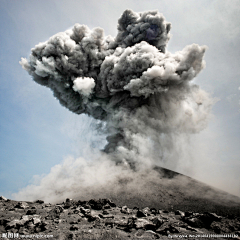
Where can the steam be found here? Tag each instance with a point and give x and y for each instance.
(142, 93)
(84, 86)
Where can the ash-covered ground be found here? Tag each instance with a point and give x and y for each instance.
(103, 219)
(192, 210)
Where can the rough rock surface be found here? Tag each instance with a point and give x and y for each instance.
(102, 219)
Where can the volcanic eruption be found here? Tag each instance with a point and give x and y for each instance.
(130, 82)
(143, 95)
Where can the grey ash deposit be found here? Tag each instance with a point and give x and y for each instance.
(103, 219)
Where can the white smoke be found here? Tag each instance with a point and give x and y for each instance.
(142, 93)
(84, 85)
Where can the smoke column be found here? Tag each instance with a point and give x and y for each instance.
(143, 94)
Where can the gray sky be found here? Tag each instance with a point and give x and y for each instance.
(37, 133)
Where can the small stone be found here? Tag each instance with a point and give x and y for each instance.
(38, 229)
(112, 204)
(31, 211)
(96, 204)
(36, 220)
(109, 223)
(195, 222)
(122, 224)
(76, 211)
(212, 217)
(30, 226)
(85, 211)
(165, 211)
(74, 228)
(25, 218)
(12, 224)
(2, 198)
(153, 211)
(58, 221)
(108, 216)
(146, 211)
(150, 234)
(157, 222)
(107, 206)
(150, 226)
(188, 214)
(74, 222)
(141, 223)
(165, 229)
(141, 214)
(125, 210)
(178, 212)
(191, 229)
(3, 222)
(105, 212)
(21, 205)
(92, 218)
(39, 201)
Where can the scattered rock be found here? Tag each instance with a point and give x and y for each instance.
(107, 206)
(141, 223)
(39, 201)
(55, 212)
(165, 211)
(178, 212)
(96, 204)
(106, 201)
(141, 214)
(85, 211)
(31, 211)
(122, 224)
(105, 212)
(90, 219)
(194, 222)
(167, 228)
(208, 218)
(188, 214)
(153, 211)
(125, 210)
(36, 220)
(157, 222)
(2, 198)
(69, 203)
(150, 235)
(109, 223)
(146, 211)
(191, 229)
(74, 228)
(21, 205)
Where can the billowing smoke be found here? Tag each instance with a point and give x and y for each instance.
(143, 94)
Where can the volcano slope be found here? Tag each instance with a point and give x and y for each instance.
(190, 210)
(176, 191)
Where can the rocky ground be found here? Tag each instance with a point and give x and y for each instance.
(102, 219)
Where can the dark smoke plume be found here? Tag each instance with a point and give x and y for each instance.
(142, 92)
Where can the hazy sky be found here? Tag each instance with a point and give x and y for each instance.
(37, 133)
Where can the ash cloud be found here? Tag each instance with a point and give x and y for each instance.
(143, 93)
